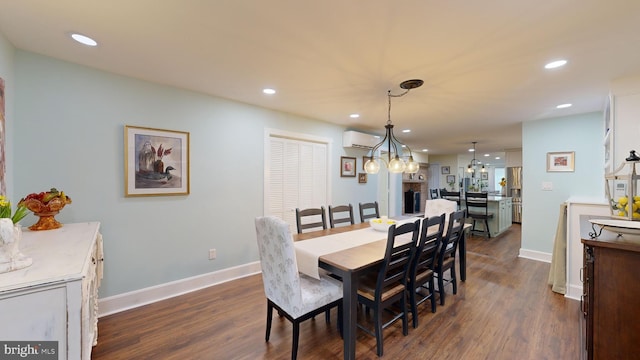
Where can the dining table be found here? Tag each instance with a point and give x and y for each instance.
(348, 252)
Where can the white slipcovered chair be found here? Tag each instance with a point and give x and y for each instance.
(437, 207)
(296, 296)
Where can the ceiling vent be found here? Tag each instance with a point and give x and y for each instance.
(360, 140)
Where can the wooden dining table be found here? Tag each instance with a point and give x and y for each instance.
(349, 264)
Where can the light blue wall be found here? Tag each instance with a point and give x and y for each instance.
(7, 74)
(69, 135)
(580, 133)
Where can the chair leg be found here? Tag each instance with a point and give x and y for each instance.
(486, 226)
(441, 286)
(269, 315)
(296, 336)
(378, 324)
(433, 296)
(405, 317)
(453, 279)
(414, 306)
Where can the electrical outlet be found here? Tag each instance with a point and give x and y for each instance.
(212, 254)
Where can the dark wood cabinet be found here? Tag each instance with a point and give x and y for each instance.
(611, 297)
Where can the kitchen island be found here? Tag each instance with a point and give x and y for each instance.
(501, 207)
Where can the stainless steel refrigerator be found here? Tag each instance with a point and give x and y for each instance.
(514, 190)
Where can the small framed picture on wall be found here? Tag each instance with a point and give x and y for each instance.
(347, 166)
(445, 170)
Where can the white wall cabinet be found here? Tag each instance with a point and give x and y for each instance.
(56, 298)
(624, 125)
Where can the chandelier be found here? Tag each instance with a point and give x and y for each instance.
(473, 165)
(393, 161)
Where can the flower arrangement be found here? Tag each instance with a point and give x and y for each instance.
(503, 182)
(5, 210)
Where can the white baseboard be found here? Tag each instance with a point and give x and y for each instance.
(133, 299)
(535, 255)
(574, 292)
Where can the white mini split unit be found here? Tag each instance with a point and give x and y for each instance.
(360, 140)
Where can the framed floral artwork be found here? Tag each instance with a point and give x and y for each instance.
(347, 166)
(560, 161)
(156, 162)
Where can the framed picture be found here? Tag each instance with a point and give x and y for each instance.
(347, 166)
(484, 176)
(362, 178)
(451, 179)
(560, 161)
(445, 170)
(156, 162)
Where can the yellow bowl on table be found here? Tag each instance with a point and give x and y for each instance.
(381, 224)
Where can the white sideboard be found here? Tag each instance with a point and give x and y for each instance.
(579, 211)
(56, 298)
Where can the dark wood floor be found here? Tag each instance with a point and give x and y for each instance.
(504, 310)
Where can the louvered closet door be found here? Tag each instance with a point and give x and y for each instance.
(296, 176)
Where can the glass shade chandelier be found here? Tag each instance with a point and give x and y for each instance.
(473, 165)
(393, 161)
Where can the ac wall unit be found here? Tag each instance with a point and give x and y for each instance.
(358, 140)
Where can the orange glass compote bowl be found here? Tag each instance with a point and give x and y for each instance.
(46, 212)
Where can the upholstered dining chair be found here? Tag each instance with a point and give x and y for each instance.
(451, 195)
(295, 296)
(437, 207)
(421, 280)
(379, 291)
(477, 206)
(369, 211)
(446, 259)
(342, 214)
(319, 219)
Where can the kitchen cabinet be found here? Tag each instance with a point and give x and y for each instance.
(610, 297)
(622, 128)
(56, 298)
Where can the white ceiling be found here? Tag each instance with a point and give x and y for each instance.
(481, 61)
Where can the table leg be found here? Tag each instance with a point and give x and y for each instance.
(349, 314)
(462, 249)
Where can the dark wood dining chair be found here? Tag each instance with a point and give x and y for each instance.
(434, 193)
(421, 285)
(384, 289)
(341, 214)
(477, 206)
(369, 211)
(315, 224)
(446, 259)
(296, 297)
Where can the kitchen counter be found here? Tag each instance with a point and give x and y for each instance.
(501, 207)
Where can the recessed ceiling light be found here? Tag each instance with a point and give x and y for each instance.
(406, 130)
(268, 91)
(425, 150)
(404, 146)
(562, 106)
(354, 116)
(497, 157)
(472, 150)
(84, 40)
(555, 64)
(487, 154)
(376, 136)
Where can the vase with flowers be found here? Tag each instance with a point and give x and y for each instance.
(503, 183)
(10, 237)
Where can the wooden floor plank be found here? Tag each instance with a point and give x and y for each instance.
(504, 310)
